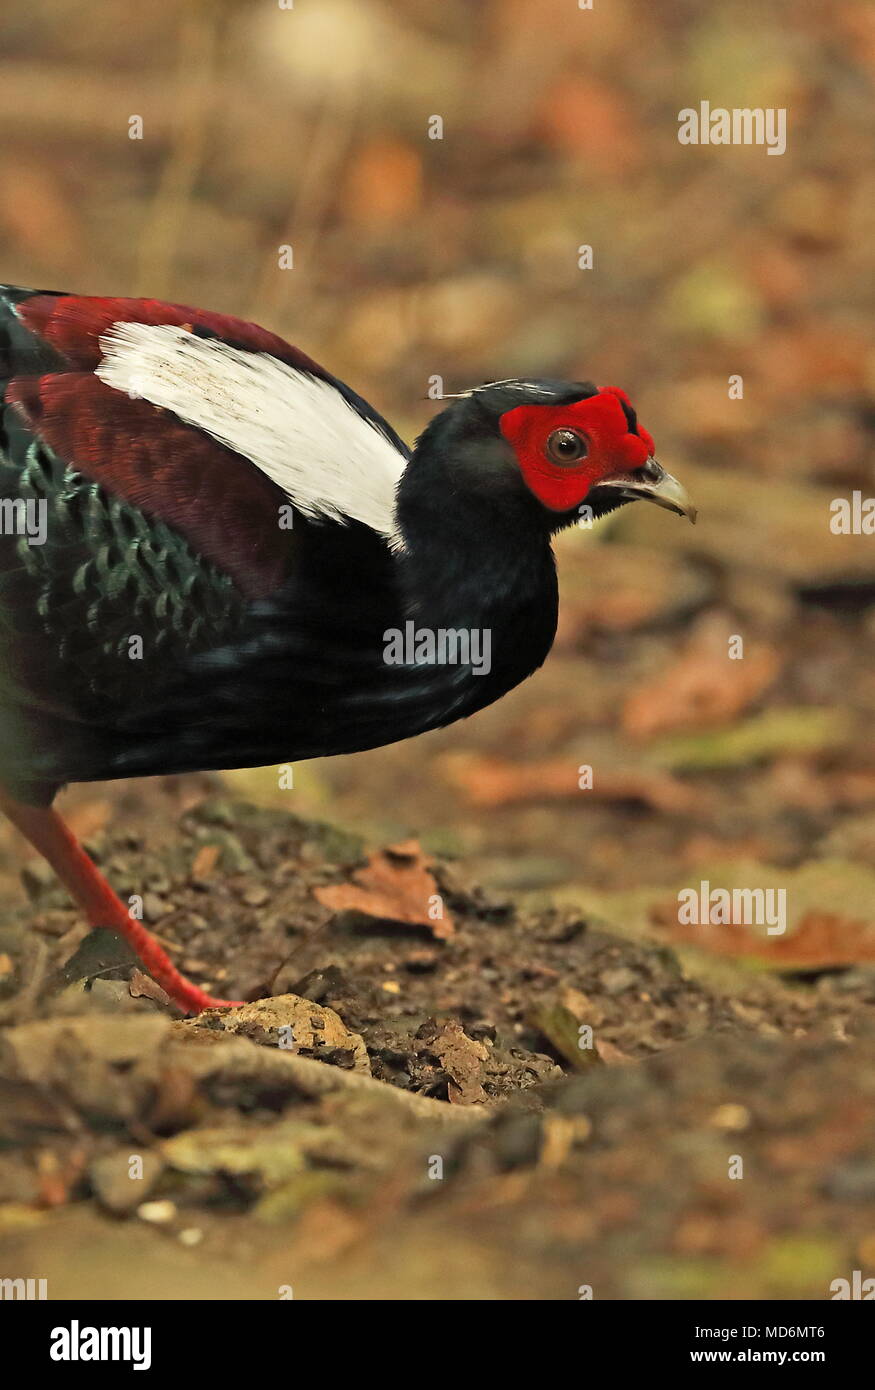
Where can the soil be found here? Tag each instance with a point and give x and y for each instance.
(534, 1105)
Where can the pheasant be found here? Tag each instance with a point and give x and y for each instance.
(215, 554)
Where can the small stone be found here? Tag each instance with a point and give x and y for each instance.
(192, 1235)
(154, 908)
(115, 1188)
(730, 1117)
(314, 1029)
(619, 980)
(157, 1213)
(256, 896)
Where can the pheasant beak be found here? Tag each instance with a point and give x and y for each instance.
(652, 484)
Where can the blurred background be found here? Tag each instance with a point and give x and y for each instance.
(458, 258)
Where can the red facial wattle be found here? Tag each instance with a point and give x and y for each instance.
(612, 446)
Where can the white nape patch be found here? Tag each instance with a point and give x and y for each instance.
(296, 428)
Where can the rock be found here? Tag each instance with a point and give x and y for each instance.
(110, 996)
(123, 1179)
(256, 896)
(294, 1025)
(154, 907)
(617, 981)
(103, 1066)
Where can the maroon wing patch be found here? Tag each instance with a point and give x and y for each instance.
(227, 509)
(72, 325)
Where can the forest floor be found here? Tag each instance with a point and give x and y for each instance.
(446, 1093)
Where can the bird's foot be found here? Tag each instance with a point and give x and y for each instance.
(47, 832)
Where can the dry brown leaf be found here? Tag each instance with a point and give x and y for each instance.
(493, 782)
(587, 118)
(141, 985)
(384, 183)
(705, 687)
(205, 861)
(821, 941)
(462, 1059)
(396, 885)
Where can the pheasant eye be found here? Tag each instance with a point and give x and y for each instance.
(566, 447)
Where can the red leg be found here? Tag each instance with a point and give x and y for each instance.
(45, 830)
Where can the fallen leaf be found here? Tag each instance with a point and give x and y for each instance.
(143, 986)
(395, 886)
(384, 183)
(587, 118)
(494, 782)
(462, 1059)
(817, 936)
(205, 861)
(704, 687)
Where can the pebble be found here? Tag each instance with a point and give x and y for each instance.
(256, 896)
(619, 980)
(730, 1117)
(114, 1187)
(157, 1213)
(154, 908)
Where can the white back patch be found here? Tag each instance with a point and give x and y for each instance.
(296, 428)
